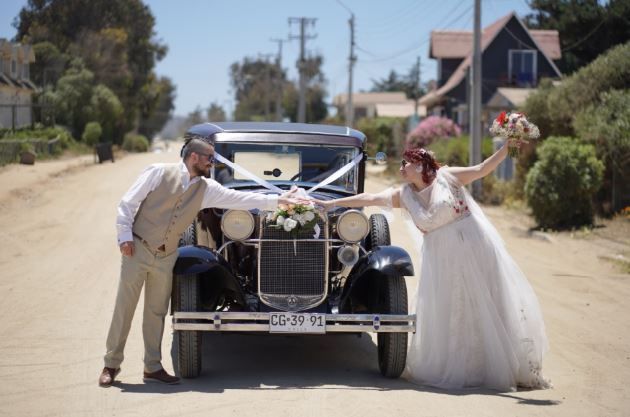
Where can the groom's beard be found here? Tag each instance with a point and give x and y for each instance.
(202, 170)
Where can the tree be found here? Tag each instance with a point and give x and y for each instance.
(159, 99)
(606, 125)
(255, 83)
(49, 64)
(78, 101)
(107, 111)
(316, 108)
(216, 113)
(115, 39)
(586, 27)
(194, 117)
(405, 83)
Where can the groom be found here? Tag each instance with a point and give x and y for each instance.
(152, 216)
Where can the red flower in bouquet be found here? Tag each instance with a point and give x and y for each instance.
(502, 118)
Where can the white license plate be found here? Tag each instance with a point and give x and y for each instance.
(297, 323)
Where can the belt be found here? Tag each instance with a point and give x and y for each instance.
(161, 248)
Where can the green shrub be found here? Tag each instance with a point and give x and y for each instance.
(381, 133)
(92, 133)
(560, 185)
(454, 151)
(135, 143)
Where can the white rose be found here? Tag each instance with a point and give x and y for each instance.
(309, 215)
(289, 224)
(280, 221)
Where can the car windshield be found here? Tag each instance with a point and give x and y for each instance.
(282, 163)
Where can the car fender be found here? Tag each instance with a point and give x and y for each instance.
(197, 260)
(206, 263)
(388, 261)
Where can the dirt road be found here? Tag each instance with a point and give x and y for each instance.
(58, 273)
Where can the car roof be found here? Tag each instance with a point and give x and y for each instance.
(282, 132)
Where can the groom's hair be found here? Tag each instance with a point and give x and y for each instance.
(194, 143)
(425, 159)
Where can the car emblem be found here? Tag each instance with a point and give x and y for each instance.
(292, 300)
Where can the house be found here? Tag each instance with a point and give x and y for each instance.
(514, 59)
(16, 88)
(390, 104)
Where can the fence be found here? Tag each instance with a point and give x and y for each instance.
(10, 149)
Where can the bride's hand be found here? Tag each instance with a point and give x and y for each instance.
(326, 204)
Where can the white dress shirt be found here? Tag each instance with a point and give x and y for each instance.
(215, 196)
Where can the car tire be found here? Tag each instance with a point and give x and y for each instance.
(379, 232)
(392, 347)
(187, 297)
(392, 299)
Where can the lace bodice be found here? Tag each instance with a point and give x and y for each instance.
(441, 203)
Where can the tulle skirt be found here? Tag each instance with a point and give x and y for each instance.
(479, 323)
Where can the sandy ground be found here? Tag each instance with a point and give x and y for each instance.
(59, 270)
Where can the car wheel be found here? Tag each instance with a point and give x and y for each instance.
(186, 297)
(379, 232)
(392, 299)
(392, 347)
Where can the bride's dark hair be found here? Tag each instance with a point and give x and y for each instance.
(425, 158)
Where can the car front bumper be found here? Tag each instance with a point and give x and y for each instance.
(260, 322)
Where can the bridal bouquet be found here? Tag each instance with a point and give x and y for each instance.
(294, 217)
(515, 128)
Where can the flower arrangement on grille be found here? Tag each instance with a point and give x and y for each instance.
(515, 128)
(294, 218)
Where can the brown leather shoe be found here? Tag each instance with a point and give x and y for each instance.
(160, 376)
(108, 376)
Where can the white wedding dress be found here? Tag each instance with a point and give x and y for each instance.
(479, 323)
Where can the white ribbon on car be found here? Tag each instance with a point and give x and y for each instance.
(247, 174)
(337, 174)
(333, 177)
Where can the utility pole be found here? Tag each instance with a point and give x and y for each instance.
(304, 22)
(417, 95)
(279, 86)
(351, 60)
(475, 100)
(265, 59)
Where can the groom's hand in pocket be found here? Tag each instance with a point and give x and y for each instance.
(127, 249)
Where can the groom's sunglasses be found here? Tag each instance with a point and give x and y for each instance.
(210, 156)
(403, 163)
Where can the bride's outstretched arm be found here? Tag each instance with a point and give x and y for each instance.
(466, 175)
(386, 198)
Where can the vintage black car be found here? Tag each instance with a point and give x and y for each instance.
(237, 272)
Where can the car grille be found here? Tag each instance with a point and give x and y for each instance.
(292, 272)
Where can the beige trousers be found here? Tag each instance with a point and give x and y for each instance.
(154, 270)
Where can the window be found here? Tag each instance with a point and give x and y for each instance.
(522, 67)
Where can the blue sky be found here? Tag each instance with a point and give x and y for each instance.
(206, 36)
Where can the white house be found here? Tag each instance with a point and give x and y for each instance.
(16, 88)
(391, 104)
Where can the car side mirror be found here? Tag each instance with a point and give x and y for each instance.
(380, 158)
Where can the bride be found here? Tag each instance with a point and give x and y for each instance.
(479, 322)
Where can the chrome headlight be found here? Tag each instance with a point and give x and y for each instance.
(352, 226)
(348, 255)
(237, 224)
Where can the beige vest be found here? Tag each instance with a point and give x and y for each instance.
(167, 211)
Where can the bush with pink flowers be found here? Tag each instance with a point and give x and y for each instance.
(430, 129)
